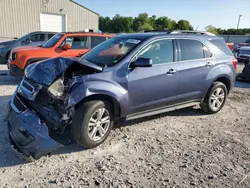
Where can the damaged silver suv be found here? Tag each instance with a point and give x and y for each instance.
(129, 76)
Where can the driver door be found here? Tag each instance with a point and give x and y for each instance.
(156, 86)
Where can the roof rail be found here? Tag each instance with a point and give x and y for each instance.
(192, 32)
(157, 31)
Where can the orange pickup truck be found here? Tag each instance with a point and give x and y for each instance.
(71, 44)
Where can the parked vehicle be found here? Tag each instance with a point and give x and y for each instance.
(71, 44)
(242, 44)
(245, 75)
(244, 53)
(129, 76)
(31, 39)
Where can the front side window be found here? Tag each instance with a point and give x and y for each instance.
(76, 42)
(193, 49)
(159, 52)
(111, 51)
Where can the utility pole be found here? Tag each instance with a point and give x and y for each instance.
(238, 23)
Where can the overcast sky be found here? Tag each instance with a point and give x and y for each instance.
(220, 13)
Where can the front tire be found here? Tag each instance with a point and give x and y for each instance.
(92, 123)
(215, 98)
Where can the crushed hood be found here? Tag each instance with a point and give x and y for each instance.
(47, 71)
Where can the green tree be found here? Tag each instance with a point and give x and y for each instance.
(141, 20)
(211, 29)
(184, 25)
(105, 24)
(121, 24)
(163, 23)
(145, 27)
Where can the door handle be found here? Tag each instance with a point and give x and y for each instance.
(171, 72)
(208, 64)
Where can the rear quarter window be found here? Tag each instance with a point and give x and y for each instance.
(221, 44)
(95, 40)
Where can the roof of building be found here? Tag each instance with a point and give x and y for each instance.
(83, 7)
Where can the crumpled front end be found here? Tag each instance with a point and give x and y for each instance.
(39, 104)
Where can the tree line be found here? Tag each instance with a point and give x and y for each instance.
(123, 24)
(212, 29)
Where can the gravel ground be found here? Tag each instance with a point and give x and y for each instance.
(185, 148)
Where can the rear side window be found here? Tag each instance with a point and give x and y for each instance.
(221, 44)
(50, 36)
(97, 40)
(37, 38)
(193, 49)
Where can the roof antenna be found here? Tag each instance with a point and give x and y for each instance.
(196, 28)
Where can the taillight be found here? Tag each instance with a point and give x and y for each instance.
(235, 62)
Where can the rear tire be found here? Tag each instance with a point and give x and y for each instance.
(215, 98)
(92, 123)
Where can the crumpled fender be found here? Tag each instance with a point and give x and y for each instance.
(96, 87)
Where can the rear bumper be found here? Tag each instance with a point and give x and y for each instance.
(28, 135)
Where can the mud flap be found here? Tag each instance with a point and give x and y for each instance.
(29, 136)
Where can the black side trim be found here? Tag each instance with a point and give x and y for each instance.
(162, 110)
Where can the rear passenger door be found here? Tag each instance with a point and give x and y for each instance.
(196, 62)
(79, 46)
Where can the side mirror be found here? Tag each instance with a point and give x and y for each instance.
(142, 62)
(66, 46)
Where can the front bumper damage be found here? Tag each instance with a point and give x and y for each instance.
(36, 107)
(28, 135)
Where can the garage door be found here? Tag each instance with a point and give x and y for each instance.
(52, 22)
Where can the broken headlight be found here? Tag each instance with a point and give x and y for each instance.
(56, 90)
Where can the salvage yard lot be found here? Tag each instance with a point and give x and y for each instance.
(185, 148)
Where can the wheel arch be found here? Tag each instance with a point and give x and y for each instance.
(104, 97)
(223, 79)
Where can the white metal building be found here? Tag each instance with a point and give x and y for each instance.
(19, 17)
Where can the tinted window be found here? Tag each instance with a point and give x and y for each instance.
(159, 51)
(37, 37)
(111, 51)
(97, 40)
(50, 35)
(221, 44)
(51, 42)
(193, 49)
(77, 42)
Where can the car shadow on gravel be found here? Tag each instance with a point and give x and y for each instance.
(191, 111)
(6, 79)
(244, 85)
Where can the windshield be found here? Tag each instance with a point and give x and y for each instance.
(52, 41)
(111, 51)
(23, 37)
